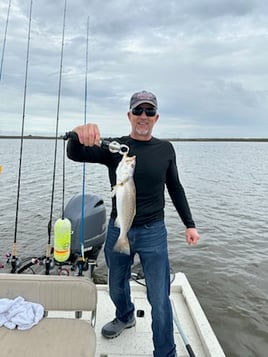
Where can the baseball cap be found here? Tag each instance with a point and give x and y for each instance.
(142, 97)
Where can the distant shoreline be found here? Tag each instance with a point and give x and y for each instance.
(41, 137)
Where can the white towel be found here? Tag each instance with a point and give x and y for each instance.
(20, 313)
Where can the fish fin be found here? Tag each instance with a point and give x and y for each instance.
(119, 184)
(114, 189)
(122, 246)
(116, 223)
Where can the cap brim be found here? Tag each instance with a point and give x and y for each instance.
(142, 102)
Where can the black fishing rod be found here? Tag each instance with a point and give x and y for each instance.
(81, 259)
(48, 252)
(14, 249)
(4, 42)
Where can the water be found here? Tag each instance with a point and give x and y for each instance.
(226, 185)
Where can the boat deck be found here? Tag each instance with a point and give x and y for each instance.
(137, 341)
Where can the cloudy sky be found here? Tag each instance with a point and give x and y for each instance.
(206, 60)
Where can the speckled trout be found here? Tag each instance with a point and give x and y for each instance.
(125, 193)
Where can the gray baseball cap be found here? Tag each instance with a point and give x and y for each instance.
(142, 97)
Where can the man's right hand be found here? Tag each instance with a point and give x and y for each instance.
(88, 134)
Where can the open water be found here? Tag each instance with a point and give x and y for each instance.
(227, 188)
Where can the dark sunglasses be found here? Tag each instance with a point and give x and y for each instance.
(150, 112)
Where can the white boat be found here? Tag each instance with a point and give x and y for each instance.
(191, 327)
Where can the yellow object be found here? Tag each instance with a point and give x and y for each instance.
(1, 169)
(62, 239)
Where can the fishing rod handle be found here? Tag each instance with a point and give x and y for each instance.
(70, 135)
(105, 143)
(112, 145)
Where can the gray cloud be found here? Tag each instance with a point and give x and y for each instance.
(205, 60)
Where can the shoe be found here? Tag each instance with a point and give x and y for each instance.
(113, 328)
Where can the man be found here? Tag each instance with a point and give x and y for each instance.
(155, 168)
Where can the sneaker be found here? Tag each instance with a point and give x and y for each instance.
(113, 328)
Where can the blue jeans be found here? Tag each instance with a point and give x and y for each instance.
(150, 243)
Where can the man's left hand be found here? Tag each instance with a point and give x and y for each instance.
(192, 236)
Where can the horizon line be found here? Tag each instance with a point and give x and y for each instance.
(53, 137)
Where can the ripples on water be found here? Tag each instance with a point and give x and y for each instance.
(226, 185)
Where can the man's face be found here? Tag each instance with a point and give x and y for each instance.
(142, 119)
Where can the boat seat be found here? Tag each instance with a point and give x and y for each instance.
(67, 329)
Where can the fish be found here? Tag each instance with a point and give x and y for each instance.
(125, 194)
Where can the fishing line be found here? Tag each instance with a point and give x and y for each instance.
(5, 38)
(82, 227)
(14, 249)
(48, 259)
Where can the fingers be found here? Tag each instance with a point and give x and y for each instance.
(192, 236)
(191, 241)
(88, 134)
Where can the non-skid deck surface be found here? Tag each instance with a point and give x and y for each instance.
(137, 341)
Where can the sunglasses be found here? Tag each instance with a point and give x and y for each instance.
(150, 112)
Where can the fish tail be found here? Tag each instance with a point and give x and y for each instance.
(122, 246)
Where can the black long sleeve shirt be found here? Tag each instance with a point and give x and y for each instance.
(155, 168)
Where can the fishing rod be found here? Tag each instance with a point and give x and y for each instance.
(14, 258)
(4, 42)
(48, 252)
(81, 259)
(62, 228)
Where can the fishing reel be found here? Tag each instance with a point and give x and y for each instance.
(13, 261)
